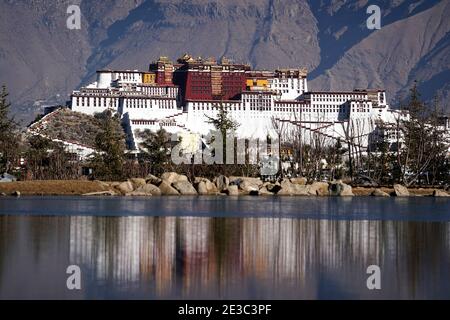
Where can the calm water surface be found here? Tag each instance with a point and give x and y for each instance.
(223, 247)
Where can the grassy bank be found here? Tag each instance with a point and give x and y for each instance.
(51, 187)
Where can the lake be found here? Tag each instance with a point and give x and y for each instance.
(224, 247)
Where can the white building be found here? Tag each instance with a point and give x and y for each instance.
(271, 97)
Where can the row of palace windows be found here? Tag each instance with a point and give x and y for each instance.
(263, 103)
(250, 98)
(338, 99)
(327, 109)
(143, 122)
(282, 109)
(285, 84)
(97, 101)
(265, 108)
(207, 108)
(154, 90)
(144, 103)
(128, 76)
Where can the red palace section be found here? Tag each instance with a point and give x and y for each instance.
(200, 79)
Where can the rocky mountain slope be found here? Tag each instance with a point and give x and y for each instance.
(41, 60)
(414, 48)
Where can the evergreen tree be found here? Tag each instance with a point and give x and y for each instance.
(37, 156)
(155, 149)
(224, 124)
(415, 106)
(8, 134)
(46, 159)
(110, 144)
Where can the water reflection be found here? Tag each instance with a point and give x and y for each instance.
(212, 257)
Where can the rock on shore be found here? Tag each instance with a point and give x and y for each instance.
(184, 188)
(263, 191)
(205, 186)
(400, 191)
(167, 189)
(149, 189)
(379, 193)
(318, 189)
(171, 177)
(338, 188)
(137, 182)
(153, 180)
(136, 193)
(299, 180)
(440, 193)
(100, 193)
(291, 189)
(247, 185)
(172, 183)
(125, 187)
(232, 190)
(221, 183)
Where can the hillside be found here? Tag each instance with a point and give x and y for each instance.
(66, 125)
(41, 60)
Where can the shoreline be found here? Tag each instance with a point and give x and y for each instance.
(102, 188)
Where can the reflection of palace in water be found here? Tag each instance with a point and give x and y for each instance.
(203, 256)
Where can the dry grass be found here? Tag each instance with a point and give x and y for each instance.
(51, 187)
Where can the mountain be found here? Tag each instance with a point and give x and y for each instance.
(413, 48)
(42, 61)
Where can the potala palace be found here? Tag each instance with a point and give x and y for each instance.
(180, 96)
